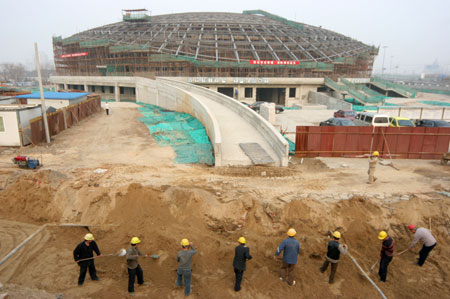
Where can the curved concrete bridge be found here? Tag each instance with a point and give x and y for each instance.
(239, 135)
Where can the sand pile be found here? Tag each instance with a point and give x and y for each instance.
(162, 215)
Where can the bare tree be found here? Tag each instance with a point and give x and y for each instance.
(12, 71)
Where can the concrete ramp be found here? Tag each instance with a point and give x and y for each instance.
(256, 153)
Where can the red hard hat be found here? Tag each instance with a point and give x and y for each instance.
(411, 226)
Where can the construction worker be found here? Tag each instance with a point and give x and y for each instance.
(387, 252)
(184, 260)
(291, 249)
(107, 108)
(241, 255)
(134, 269)
(84, 256)
(373, 160)
(333, 253)
(429, 242)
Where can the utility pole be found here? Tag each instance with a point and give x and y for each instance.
(44, 109)
(384, 56)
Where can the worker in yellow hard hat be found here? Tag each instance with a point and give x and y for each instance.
(291, 249)
(373, 160)
(241, 255)
(184, 259)
(387, 252)
(84, 256)
(333, 254)
(134, 269)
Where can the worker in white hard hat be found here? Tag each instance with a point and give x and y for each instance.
(134, 269)
(373, 160)
(241, 255)
(333, 254)
(290, 248)
(386, 254)
(84, 256)
(184, 259)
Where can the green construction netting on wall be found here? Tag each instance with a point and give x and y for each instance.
(183, 132)
(436, 103)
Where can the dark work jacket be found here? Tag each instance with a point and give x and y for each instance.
(387, 248)
(82, 251)
(241, 254)
(333, 250)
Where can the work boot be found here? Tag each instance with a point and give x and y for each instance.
(131, 294)
(96, 279)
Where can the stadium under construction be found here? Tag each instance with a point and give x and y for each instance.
(250, 56)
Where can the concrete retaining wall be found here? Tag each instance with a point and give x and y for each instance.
(330, 102)
(279, 144)
(417, 112)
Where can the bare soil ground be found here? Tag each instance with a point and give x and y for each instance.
(143, 193)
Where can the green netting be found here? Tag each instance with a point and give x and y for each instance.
(291, 146)
(70, 40)
(361, 108)
(403, 90)
(183, 132)
(436, 103)
(136, 18)
(274, 17)
(94, 43)
(335, 86)
(57, 39)
(126, 48)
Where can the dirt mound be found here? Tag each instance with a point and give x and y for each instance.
(252, 171)
(31, 196)
(162, 216)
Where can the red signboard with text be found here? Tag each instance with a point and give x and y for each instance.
(74, 55)
(274, 62)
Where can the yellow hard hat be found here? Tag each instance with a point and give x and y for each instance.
(89, 237)
(375, 153)
(135, 240)
(382, 235)
(337, 235)
(242, 240)
(185, 242)
(291, 232)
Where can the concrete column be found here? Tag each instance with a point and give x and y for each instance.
(86, 89)
(254, 94)
(241, 93)
(66, 86)
(117, 92)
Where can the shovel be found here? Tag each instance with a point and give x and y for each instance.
(122, 252)
(373, 266)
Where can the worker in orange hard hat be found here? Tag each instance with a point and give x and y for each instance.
(241, 255)
(373, 160)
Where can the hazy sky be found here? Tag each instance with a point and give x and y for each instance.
(416, 33)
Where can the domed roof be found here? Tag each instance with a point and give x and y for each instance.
(253, 35)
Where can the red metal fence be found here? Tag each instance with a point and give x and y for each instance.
(64, 118)
(403, 143)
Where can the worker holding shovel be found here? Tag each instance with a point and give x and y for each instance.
(134, 269)
(386, 254)
(429, 242)
(333, 253)
(84, 256)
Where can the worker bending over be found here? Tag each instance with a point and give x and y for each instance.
(429, 242)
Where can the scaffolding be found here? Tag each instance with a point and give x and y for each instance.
(213, 45)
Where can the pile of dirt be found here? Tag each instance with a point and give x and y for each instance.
(162, 216)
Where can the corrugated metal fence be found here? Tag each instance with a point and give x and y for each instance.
(402, 143)
(64, 118)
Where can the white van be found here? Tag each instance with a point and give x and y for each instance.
(371, 119)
